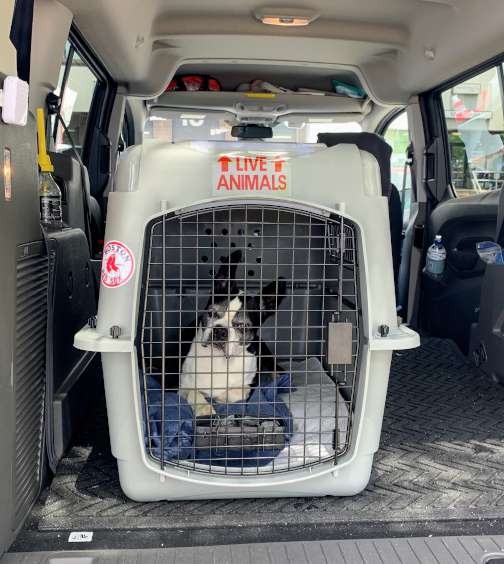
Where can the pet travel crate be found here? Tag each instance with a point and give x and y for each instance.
(246, 319)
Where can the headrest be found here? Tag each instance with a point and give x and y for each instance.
(369, 142)
(65, 165)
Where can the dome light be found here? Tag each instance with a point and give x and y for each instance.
(286, 17)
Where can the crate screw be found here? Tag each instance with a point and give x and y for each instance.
(383, 330)
(92, 322)
(115, 331)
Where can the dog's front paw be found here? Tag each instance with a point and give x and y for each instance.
(204, 410)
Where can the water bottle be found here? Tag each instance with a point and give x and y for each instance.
(50, 202)
(51, 214)
(436, 257)
(490, 252)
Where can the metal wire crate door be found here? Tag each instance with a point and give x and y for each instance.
(249, 338)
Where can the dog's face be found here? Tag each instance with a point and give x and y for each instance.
(232, 320)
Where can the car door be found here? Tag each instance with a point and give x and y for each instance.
(470, 126)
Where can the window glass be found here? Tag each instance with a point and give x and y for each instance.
(76, 99)
(178, 125)
(475, 124)
(397, 136)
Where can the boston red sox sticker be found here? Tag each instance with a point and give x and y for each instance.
(118, 264)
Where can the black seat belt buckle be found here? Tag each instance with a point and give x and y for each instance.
(418, 236)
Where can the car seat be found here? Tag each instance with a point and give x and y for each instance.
(487, 336)
(80, 208)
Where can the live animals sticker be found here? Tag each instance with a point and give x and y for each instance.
(248, 174)
(80, 536)
(118, 264)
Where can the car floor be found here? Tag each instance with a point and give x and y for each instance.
(439, 470)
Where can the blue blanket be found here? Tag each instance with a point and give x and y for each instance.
(178, 426)
(263, 403)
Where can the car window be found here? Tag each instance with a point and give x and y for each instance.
(475, 125)
(397, 136)
(76, 88)
(179, 125)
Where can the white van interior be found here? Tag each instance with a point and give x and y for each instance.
(415, 85)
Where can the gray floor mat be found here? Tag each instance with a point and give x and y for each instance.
(441, 458)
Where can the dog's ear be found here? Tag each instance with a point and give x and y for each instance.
(272, 296)
(225, 279)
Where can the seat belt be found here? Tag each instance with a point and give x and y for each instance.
(499, 236)
(417, 243)
(415, 263)
(408, 166)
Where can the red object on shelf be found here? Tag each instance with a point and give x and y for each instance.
(194, 83)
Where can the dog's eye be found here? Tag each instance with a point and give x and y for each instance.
(212, 314)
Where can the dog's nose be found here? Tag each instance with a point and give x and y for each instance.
(220, 334)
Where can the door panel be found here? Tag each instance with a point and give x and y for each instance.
(22, 329)
(468, 120)
(449, 306)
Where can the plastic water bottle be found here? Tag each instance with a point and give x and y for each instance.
(436, 257)
(49, 193)
(490, 252)
(50, 202)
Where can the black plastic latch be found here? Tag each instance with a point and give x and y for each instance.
(383, 330)
(115, 331)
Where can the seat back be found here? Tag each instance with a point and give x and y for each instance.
(74, 190)
(80, 209)
(72, 301)
(369, 142)
(487, 338)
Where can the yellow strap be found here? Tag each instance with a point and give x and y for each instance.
(44, 160)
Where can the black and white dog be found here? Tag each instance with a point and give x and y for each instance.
(226, 353)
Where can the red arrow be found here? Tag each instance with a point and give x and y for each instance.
(224, 163)
(278, 165)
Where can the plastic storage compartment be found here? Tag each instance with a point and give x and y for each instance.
(246, 319)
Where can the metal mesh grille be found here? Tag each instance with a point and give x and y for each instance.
(249, 338)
